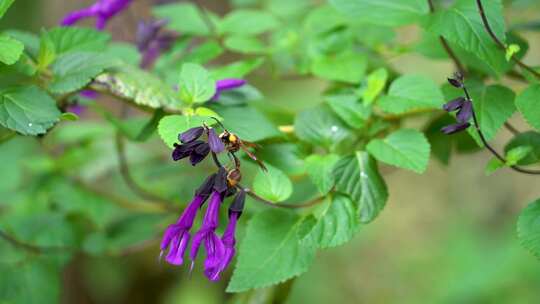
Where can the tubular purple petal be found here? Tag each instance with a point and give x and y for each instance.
(227, 84)
(465, 113)
(215, 143)
(102, 10)
(191, 135)
(454, 128)
(229, 241)
(453, 105)
(75, 16)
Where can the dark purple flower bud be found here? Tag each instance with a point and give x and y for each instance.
(199, 154)
(102, 10)
(207, 187)
(237, 205)
(454, 128)
(465, 113)
(190, 135)
(176, 236)
(227, 84)
(454, 105)
(185, 150)
(148, 32)
(456, 83)
(215, 250)
(215, 143)
(221, 184)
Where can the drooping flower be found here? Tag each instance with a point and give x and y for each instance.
(464, 109)
(102, 11)
(177, 236)
(228, 238)
(151, 43)
(215, 143)
(191, 135)
(227, 84)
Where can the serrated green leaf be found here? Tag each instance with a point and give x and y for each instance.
(376, 81)
(528, 103)
(185, 18)
(170, 126)
(387, 12)
(27, 110)
(138, 86)
(196, 84)
(493, 106)
(336, 225)
(4, 6)
(405, 148)
(47, 52)
(348, 67)
(248, 22)
(529, 139)
(514, 155)
(349, 109)
(461, 24)
(271, 251)
(528, 228)
(273, 185)
(320, 168)
(319, 126)
(78, 39)
(10, 49)
(358, 177)
(74, 70)
(411, 93)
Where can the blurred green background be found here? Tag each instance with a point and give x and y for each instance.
(447, 236)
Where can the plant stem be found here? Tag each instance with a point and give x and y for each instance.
(255, 196)
(30, 247)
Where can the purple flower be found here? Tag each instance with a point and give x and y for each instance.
(227, 84)
(190, 135)
(177, 236)
(215, 143)
(464, 114)
(151, 43)
(102, 10)
(454, 128)
(215, 249)
(228, 238)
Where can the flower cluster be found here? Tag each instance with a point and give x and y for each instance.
(462, 105)
(102, 10)
(218, 186)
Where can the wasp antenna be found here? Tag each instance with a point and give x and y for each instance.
(218, 122)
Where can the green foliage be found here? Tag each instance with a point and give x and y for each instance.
(411, 93)
(527, 104)
(320, 170)
(4, 6)
(526, 139)
(528, 228)
(319, 126)
(27, 110)
(184, 18)
(172, 125)
(10, 49)
(347, 67)
(391, 12)
(358, 177)
(273, 185)
(241, 119)
(248, 22)
(349, 109)
(77, 39)
(271, 252)
(406, 148)
(196, 85)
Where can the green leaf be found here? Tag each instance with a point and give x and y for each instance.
(376, 81)
(196, 84)
(320, 168)
(10, 49)
(512, 50)
(349, 109)
(245, 44)
(358, 177)
(47, 52)
(529, 139)
(237, 69)
(461, 24)
(493, 106)
(138, 86)
(27, 110)
(271, 251)
(387, 12)
(405, 148)
(185, 18)
(78, 39)
(248, 123)
(336, 225)
(273, 185)
(493, 165)
(4, 6)
(204, 53)
(74, 70)
(528, 103)
(319, 126)
(170, 126)
(411, 93)
(348, 67)
(516, 154)
(528, 228)
(248, 22)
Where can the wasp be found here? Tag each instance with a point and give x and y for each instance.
(233, 144)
